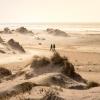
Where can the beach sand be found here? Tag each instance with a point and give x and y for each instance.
(82, 50)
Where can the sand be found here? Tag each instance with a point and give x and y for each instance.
(82, 50)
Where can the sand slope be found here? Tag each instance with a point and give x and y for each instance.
(82, 50)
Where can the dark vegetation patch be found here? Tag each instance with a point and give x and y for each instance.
(56, 59)
(4, 72)
(92, 84)
(24, 87)
(40, 62)
(20, 88)
(52, 95)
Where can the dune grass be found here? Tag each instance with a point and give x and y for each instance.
(55, 60)
(92, 84)
(40, 62)
(20, 88)
(4, 72)
(52, 95)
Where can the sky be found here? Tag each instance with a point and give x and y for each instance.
(26, 11)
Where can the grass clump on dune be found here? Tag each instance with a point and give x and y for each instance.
(68, 69)
(92, 84)
(40, 62)
(24, 87)
(56, 59)
(4, 72)
(20, 88)
(52, 95)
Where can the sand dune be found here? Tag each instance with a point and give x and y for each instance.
(16, 46)
(10, 47)
(56, 32)
(27, 82)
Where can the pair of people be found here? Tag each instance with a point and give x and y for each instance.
(52, 47)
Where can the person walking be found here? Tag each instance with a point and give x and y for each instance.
(54, 47)
(51, 47)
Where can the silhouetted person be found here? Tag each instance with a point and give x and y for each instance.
(54, 47)
(51, 47)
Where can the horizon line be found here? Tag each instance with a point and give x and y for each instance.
(4, 23)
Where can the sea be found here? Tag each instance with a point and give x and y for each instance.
(68, 27)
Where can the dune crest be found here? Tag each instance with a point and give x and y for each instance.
(16, 46)
(56, 32)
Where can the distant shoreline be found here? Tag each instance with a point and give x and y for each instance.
(84, 28)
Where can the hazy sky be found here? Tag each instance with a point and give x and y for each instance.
(49, 11)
